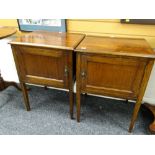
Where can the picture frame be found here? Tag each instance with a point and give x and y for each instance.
(138, 21)
(53, 25)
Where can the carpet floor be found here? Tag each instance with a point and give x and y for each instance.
(49, 115)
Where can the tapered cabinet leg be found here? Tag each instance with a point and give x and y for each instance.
(78, 86)
(25, 95)
(71, 102)
(71, 83)
(141, 93)
(78, 105)
(135, 114)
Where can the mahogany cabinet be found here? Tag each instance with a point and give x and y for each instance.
(46, 58)
(116, 67)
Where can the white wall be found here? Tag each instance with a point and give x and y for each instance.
(150, 90)
(9, 72)
(7, 65)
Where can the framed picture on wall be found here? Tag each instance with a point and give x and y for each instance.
(139, 21)
(55, 25)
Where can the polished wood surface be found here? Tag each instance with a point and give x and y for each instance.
(113, 67)
(113, 76)
(38, 65)
(57, 40)
(116, 46)
(6, 32)
(46, 58)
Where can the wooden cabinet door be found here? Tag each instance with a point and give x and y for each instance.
(112, 76)
(42, 65)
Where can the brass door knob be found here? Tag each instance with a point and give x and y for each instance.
(66, 71)
(83, 74)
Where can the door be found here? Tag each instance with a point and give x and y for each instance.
(112, 76)
(43, 66)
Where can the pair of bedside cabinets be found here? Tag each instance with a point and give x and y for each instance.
(109, 66)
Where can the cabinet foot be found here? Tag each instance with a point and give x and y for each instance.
(6, 84)
(152, 125)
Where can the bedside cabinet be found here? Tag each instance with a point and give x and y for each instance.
(46, 58)
(116, 67)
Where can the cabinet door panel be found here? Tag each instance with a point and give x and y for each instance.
(119, 77)
(42, 66)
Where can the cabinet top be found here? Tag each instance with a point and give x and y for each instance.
(58, 40)
(116, 46)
